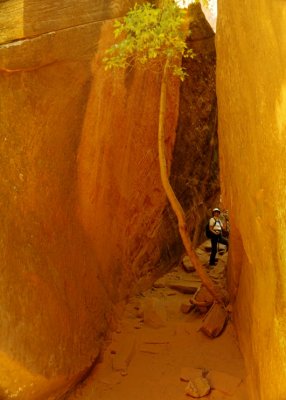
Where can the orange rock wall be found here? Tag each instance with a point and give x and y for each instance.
(121, 199)
(251, 87)
(80, 189)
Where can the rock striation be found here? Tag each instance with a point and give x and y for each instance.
(251, 87)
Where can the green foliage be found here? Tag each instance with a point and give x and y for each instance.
(150, 35)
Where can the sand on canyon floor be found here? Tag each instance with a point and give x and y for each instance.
(157, 348)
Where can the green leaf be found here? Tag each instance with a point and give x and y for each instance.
(147, 33)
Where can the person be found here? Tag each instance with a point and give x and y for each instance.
(216, 228)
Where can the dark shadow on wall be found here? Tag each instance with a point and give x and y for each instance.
(195, 167)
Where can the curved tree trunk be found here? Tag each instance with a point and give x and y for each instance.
(176, 206)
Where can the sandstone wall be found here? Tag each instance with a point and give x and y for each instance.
(55, 308)
(81, 199)
(251, 79)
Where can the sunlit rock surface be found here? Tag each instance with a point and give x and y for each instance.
(81, 199)
(251, 55)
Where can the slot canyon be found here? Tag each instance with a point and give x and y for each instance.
(92, 263)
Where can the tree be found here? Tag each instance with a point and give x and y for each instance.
(154, 37)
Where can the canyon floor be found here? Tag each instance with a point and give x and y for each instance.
(157, 348)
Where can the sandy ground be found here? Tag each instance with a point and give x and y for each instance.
(157, 348)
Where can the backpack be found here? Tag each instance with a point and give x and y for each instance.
(208, 231)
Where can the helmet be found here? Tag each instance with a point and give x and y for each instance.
(216, 209)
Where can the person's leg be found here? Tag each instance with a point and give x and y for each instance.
(223, 241)
(214, 240)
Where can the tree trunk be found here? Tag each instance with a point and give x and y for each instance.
(176, 206)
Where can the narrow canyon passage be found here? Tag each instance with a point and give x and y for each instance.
(85, 220)
(158, 347)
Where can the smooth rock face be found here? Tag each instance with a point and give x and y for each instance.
(251, 65)
(54, 308)
(120, 195)
(81, 198)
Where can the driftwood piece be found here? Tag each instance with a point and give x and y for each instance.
(215, 320)
(202, 299)
(204, 296)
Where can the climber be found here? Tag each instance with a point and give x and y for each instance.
(216, 227)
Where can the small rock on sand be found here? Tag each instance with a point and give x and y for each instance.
(198, 387)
